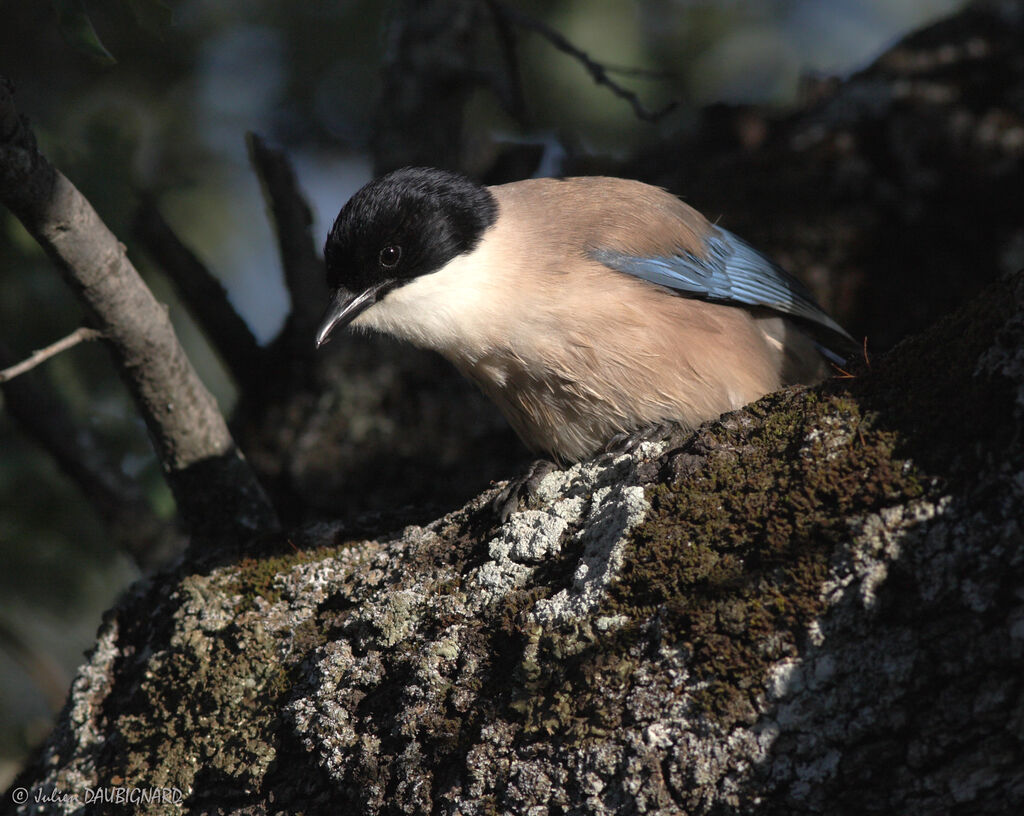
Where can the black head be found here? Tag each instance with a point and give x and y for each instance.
(408, 223)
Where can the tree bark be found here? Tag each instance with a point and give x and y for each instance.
(809, 606)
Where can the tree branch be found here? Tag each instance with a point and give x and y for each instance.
(292, 219)
(204, 295)
(598, 72)
(39, 356)
(216, 491)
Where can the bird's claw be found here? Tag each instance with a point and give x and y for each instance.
(521, 489)
(629, 441)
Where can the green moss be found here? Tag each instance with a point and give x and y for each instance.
(570, 682)
(733, 556)
(205, 702)
(257, 577)
(201, 708)
(728, 566)
(727, 570)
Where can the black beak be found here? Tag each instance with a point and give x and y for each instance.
(343, 309)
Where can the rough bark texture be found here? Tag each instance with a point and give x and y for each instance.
(809, 606)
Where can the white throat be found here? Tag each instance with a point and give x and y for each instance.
(452, 310)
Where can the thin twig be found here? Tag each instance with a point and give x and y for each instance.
(841, 373)
(598, 72)
(653, 74)
(79, 335)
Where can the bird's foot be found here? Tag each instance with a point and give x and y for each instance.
(521, 489)
(629, 441)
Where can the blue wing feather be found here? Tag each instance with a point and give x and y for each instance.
(731, 271)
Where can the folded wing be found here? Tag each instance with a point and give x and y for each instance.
(732, 272)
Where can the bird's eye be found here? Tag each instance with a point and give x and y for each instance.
(389, 256)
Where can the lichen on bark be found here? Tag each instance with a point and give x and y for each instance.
(810, 605)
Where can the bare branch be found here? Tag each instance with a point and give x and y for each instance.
(653, 74)
(79, 335)
(292, 219)
(598, 72)
(216, 491)
(204, 295)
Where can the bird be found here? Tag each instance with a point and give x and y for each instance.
(586, 308)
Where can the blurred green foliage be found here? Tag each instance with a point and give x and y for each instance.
(76, 27)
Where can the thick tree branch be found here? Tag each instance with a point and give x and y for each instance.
(216, 491)
(292, 219)
(206, 298)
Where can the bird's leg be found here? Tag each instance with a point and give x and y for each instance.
(629, 441)
(522, 488)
